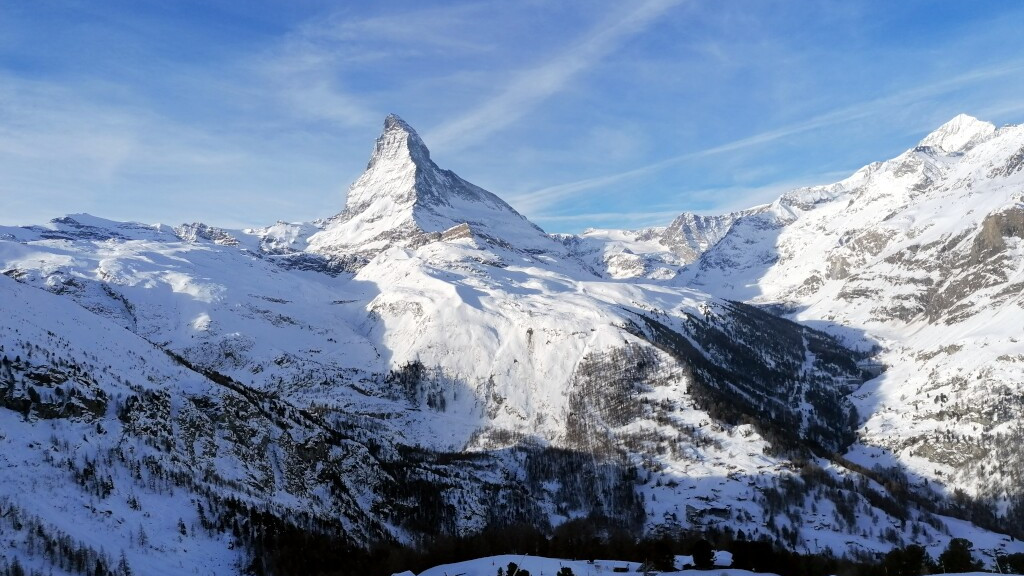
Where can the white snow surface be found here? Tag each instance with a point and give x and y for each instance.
(959, 134)
(32, 475)
(921, 258)
(503, 315)
(403, 194)
(541, 566)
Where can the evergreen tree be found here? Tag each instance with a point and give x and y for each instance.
(1011, 563)
(915, 560)
(123, 569)
(958, 557)
(909, 561)
(515, 570)
(703, 555)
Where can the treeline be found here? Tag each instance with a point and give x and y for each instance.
(277, 548)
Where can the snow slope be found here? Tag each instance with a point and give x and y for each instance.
(431, 344)
(550, 566)
(404, 199)
(653, 253)
(920, 256)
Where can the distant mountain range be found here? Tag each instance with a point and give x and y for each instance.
(838, 371)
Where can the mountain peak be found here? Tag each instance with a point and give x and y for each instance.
(403, 198)
(398, 143)
(960, 134)
(395, 122)
(399, 155)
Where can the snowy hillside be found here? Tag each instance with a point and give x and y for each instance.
(654, 253)
(428, 362)
(921, 257)
(552, 566)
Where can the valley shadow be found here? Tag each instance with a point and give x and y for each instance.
(864, 349)
(470, 296)
(570, 504)
(734, 269)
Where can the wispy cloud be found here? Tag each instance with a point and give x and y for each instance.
(313, 70)
(734, 198)
(529, 88)
(303, 73)
(551, 195)
(88, 147)
(653, 105)
(437, 29)
(83, 137)
(1001, 109)
(721, 200)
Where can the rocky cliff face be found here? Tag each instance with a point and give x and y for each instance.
(690, 235)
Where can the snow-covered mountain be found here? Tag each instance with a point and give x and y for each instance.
(430, 362)
(404, 199)
(918, 258)
(923, 257)
(654, 253)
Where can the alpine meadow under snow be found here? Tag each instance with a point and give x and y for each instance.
(839, 372)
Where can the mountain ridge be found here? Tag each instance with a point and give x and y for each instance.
(924, 252)
(454, 372)
(404, 199)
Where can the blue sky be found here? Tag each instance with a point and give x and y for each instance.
(579, 113)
